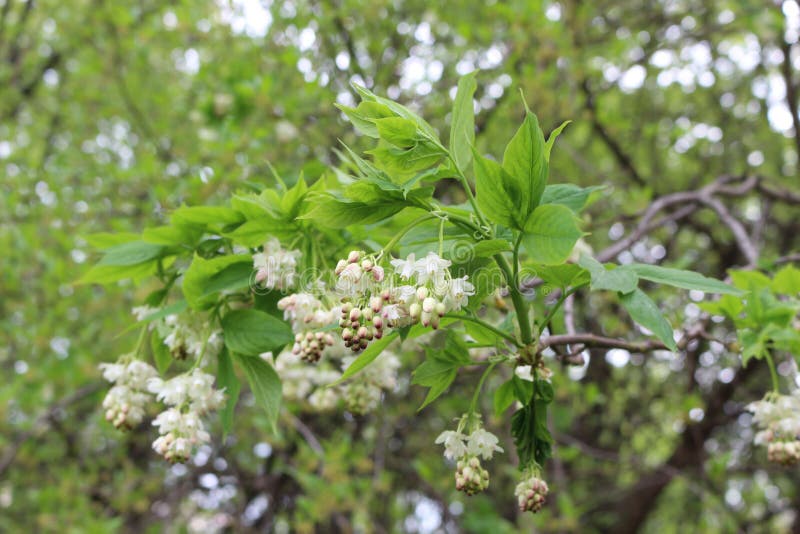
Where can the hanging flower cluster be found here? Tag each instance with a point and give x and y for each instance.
(310, 384)
(418, 291)
(531, 493)
(126, 401)
(188, 396)
(470, 476)
(778, 417)
(275, 267)
(307, 315)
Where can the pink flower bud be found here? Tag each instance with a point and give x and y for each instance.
(353, 257)
(377, 273)
(422, 292)
(428, 304)
(340, 267)
(367, 265)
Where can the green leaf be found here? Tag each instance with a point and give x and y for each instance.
(550, 234)
(132, 253)
(253, 332)
(787, 281)
(680, 278)
(367, 357)
(254, 232)
(337, 213)
(610, 280)
(174, 308)
(569, 195)
(503, 398)
(462, 124)
(645, 312)
(489, 247)
(563, 275)
(362, 115)
(496, 192)
(552, 139)
(441, 367)
(203, 275)
(161, 355)
(265, 385)
(172, 235)
(397, 131)
(525, 159)
(226, 378)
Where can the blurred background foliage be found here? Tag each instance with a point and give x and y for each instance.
(112, 114)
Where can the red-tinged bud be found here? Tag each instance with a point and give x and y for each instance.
(428, 304)
(378, 334)
(375, 304)
(340, 267)
(353, 257)
(347, 334)
(367, 265)
(355, 313)
(378, 274)
(362, 332)
(440, 309)
(377, 322)
(422, 293)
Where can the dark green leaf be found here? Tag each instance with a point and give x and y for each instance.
(253, 332)
(680, 278)
(645, 312)
(265, 385)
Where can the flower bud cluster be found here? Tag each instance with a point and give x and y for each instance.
(275, 267)
(310, 345)
(307, 315)
(785, 453)
(189, 396)
(361, 325)
(363, 394)
(531, 494)
(126, 401)
(778, 417)
(471, 478)
(373, 301)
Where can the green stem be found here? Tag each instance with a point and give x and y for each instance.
(441, 236)
(468, 190)
(773, 373)
(520, 306)
(475, 395)
(564, 296)
(404, 231)
(485, 325)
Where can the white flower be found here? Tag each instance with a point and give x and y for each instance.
(483, 443)
(432, 268)
(195, 387)
(454, 444)
(179, 433)
(275, 267)
(405, 294)
(125, 402)
(458, 293)
(140, 312)
(525, 372)
(405, 268)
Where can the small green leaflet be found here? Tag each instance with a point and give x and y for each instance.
(462, 126)
(525, 160)
(645, 312)
(367, 357)
(441, 367)
(569, 195)
(226, 379)
(680, 278)
(205, 277)
(133, 253)
(265, 385)
(497, 193)
(550, 234)
(253, 332)
(161, 355)
(529, 427)
(610, 280)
